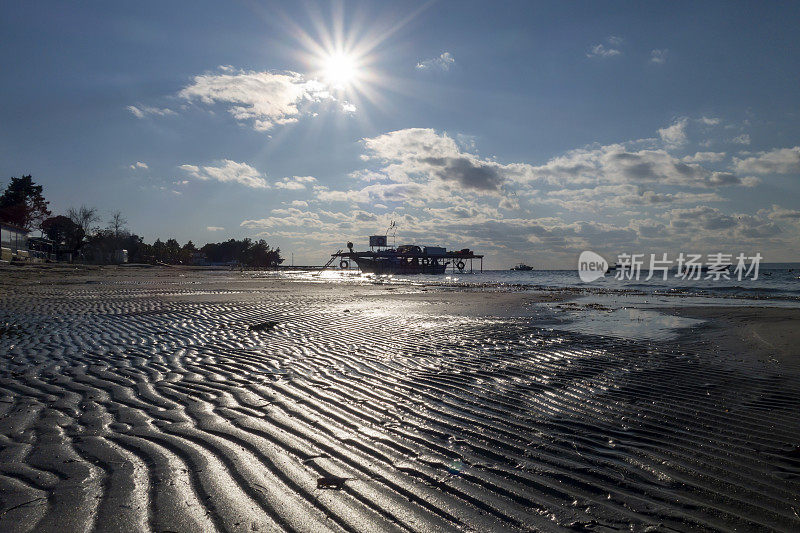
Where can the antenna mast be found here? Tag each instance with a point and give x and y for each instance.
(392, 226)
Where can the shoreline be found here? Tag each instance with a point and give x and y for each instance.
(353, 278)
(764, 327)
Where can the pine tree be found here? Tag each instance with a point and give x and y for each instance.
(22, 203)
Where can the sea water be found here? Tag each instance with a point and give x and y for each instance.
(781, 281)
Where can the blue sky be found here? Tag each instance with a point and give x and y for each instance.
(529, 131)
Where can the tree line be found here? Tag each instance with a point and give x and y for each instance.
(78, 234)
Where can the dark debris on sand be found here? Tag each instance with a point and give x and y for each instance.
(9, 329)
(269, 325)
(331, 482)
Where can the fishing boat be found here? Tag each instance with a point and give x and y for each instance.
(405, 259)
(522, 266)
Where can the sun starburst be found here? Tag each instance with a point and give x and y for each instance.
(340, 70)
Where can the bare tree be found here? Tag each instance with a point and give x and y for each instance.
(83, 217)
(117, 223)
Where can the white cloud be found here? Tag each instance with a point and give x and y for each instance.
(138, 165)
(711, 224)
(143, 110)
(295, 182)
(741, 139)
(658, 56)
(466, 142)
(324, 194)
(214, 228)
(778, 161)
(726, 178)
(600, 50)
(422, 156)
(265, 99)
(616, 163)
(674, 135)
(347, 107)
(780, 213)
(709, 121)
(634, 194)
(621, 196)
(228, 171)
(610, 49)
(285, 217)
(502, 238)
(702, 227)
(700, 157)
(418, 166)
(443, 62)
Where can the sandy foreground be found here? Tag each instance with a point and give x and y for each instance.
(168, 400)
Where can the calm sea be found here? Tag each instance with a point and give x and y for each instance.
(774, 281)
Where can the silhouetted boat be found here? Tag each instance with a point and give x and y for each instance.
(405, 259)
(521, 266)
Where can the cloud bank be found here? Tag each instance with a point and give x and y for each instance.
(778, 161)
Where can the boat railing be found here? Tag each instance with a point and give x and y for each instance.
(332, 259)
(393, 253)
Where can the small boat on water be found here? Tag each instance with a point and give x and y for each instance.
(522, 266)
(404, 259)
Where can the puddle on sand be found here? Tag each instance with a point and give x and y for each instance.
(627, 322)
(638, 317)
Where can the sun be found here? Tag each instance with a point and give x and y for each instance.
(341, 56)
(340, 70)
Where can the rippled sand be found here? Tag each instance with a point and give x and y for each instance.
(157, 400)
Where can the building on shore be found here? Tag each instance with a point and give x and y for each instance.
(41, 249)
(13, 242)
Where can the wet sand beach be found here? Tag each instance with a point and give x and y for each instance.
(761, 332)
(179, 400)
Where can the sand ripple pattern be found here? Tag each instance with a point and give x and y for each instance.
(139, 408)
